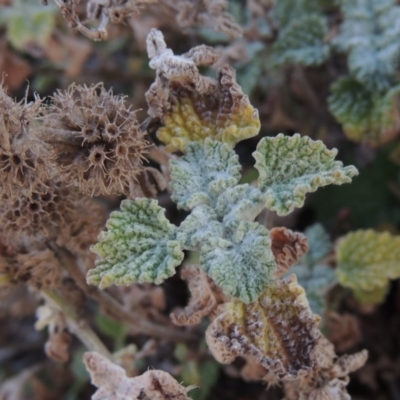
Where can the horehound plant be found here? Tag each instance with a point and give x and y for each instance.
(255, 312)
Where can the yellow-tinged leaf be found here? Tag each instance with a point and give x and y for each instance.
(279, 330)
(366, 261)
(224, 114)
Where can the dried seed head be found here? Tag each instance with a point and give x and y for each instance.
(95, 139)
(54, 211)
(29, 262)
(21, 164)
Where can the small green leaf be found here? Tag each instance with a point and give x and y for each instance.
(366, 262)
(316, 281)
(199, 226)
(364, 114)
(370, 34)
(319, 244)
(302, 42)
(291, 167)
(243, 265)
(203, 173)
(139, 246)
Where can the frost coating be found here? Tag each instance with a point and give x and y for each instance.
(291, 167)
(369, 34)
(139, 246)
(302, 41)
(243, 265)
(279, 331)
(366, 262)
(203, 173)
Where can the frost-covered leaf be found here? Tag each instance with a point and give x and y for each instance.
(191, 106)
(366, 261)
(329, 380)
(302, 41)
(139, 246)
(278, 330)
(364, 115)
(319, 244)
(113, 384)
(316, 281)
(291, 167)
(199, 226)
(370, 34)
(224, 114)
(239, 203)
(203, 173)
(243, 265)
(287, 247)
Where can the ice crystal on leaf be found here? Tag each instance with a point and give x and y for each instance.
(366, 262)
(203, 173)
(243, 265)
(278, 330)
(291, 167)
(139, 246)
(191, 106)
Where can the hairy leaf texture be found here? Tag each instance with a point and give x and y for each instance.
(139, 246)
(203, 173)
(366, 261)
(113, 384)
(243, 264)
(291, 167)
(302, 41)
(369, 35)
(319, 244)
(315, 278)
(192, 106)
(365, 115)
(316, 281)
(278, 330)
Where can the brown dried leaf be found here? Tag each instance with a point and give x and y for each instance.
(343, 330)
(329, 380)
(194, 107)
(113, 384)
(288, 247)
(205, 297)
(207, 13)
(59, 339)
(278, 330)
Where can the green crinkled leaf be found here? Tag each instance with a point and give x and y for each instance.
(240, 203)
(199, 226)
(364, 114)
(139, 246)
(203, 173)
(291, 167)
(243, 265)
(316, 281)
(366, 261)
(302, 41)
(319, 244)
(369, 34)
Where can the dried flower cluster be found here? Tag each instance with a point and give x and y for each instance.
(95, 140)
(21, 157)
